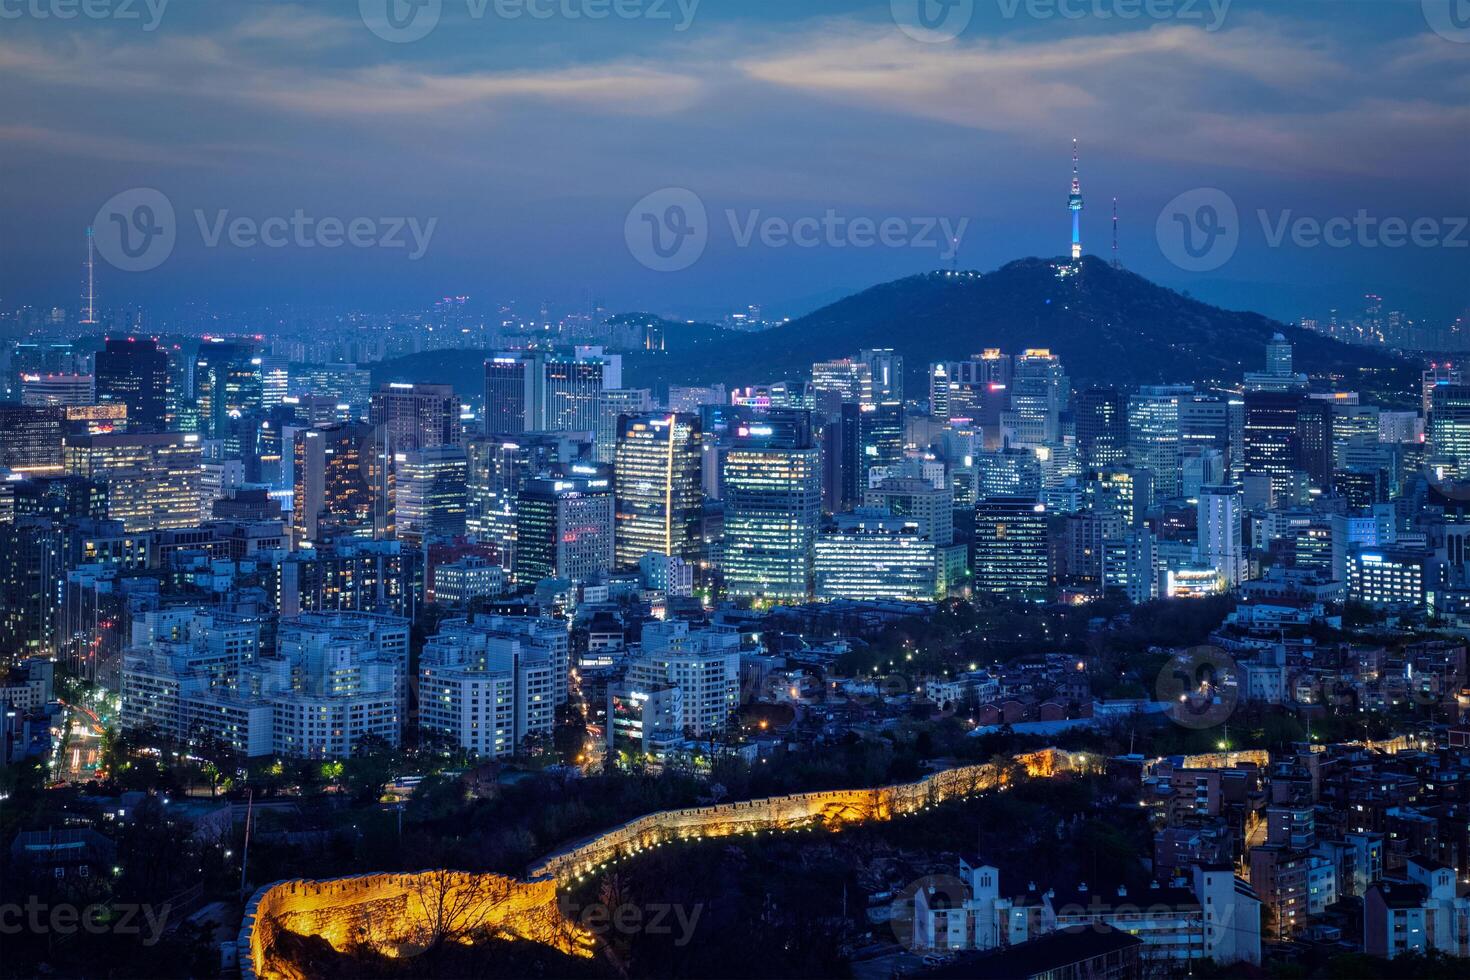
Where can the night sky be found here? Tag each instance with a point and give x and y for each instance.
(528, 139)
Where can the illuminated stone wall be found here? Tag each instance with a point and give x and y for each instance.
(394, 913)
(830, 809)
(387, 910)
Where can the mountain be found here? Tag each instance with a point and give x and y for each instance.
(1108, 325)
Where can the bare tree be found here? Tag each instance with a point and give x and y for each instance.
(447, 906)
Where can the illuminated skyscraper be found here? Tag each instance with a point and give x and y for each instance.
(415, 416)
(153, 479)
(657, 483)
(572, 386)
(228, 381)
(1012, 556)
(1102, 427)
(343, 484)
(564, 529)
(1449, 425)
(1154, 434)
(1039, 393)
(134, 372)
(1220, 543)
(429, 492)
(837, 382)
(885, 368)
(871, 554)
(611, 403)
(772, 484)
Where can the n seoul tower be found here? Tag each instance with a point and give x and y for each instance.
(1074, 204)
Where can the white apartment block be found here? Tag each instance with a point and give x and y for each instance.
(484, 691)
(335, 679)
(703, 664)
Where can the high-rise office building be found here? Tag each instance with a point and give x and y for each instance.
(415, 416)
(572, 386)
(1449, 425)
(1101, 415)
(657, 485)
(153, 479)
(564, 528)
(930, 506)
(885, 368)
(862, 436)
(1039, 393)
(1205, 422)
(535, 390)
(1278, 376)
(841, 381)
(772, 485)
(1287, 434)
(514, 391)
(31, 438)
(32, 574)
(430, 493)
(57, 389)
(228, 381)
(343, 484)
(870, 554)
(1154, 434)
(1437, 374)
(1219, 528)
(611, 403)
(1011, 555)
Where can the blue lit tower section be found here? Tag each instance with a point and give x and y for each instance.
(1074, 204)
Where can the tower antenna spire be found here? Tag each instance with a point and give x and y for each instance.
(1074, 204)
(1116, 263)
(89, 315)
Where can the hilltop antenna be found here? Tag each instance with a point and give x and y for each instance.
(1116, 263)
(89, 315)
(954, 256)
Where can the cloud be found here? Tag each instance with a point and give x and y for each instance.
(1256, 96)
